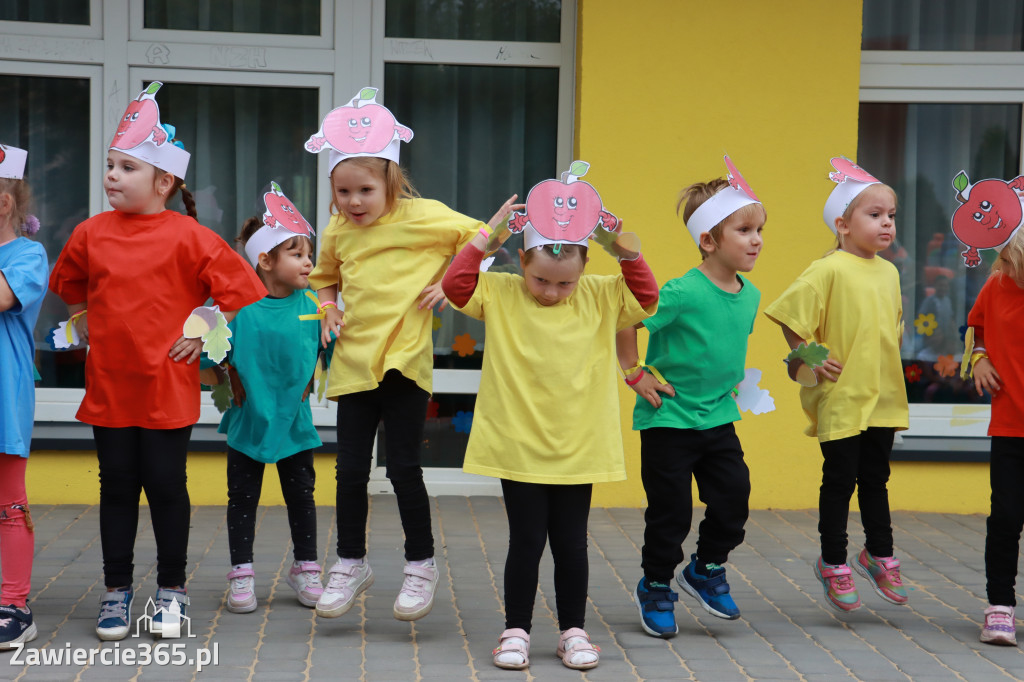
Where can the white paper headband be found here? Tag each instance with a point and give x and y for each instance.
(722, 204)
(12, 162)
(141, 135)
(850, 181)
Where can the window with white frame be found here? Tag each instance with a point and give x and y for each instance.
(940, 93)
(486, 85)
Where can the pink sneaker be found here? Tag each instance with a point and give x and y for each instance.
(242, 590)
(884, 575)
(417, 595)
(304, 578)
(1000, 626)
(840, 592)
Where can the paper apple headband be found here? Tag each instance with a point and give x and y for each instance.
(990, 212)
(361, 128)
(723, 204)
(565, 211)
(142, 136)
(850, 181)
(281, 222)
(12, 162)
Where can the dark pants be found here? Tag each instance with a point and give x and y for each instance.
(669, 460)
(536, 513)
(402, 406)
(245, 483)
(134, 459)
(1002, 543)
(860, 461)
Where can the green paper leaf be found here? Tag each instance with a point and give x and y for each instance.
(221, 394)
(812, 354)
(960, 182)
(153, 88)
(579, 168)
(276, 187)
(215, 341)
(320, 376)
(367, 93)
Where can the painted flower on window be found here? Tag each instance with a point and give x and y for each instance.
(462, 422)
(465, 345)
(926, 324)
(913, 373)
(946, 366)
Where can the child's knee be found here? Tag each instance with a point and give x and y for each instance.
(16, 515)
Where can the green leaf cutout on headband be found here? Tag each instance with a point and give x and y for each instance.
(221, 394)
(812, 354)
(367, 93)
(153, 88)
(960, 182)
(579, 168)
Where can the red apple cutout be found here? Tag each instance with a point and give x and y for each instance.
(990, 212)
(566, 210)
(362, 127)
(846, 169)
(141, 119)
(281, 212)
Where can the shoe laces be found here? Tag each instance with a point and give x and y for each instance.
(842, 583)
(309, 574)
(242, 584)
(994, 619)
(113, 609)
(339, 576)
(415, 586)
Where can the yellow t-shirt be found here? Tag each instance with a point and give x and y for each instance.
(853, 307)
(381, 269)
(548, 408)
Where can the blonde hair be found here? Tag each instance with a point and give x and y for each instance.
(565, 252)
(22, 197)
(852, 206)
(396, 182)
(1010, 262)
(699, 192)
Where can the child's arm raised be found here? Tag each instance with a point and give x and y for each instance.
(829, 370)
(640, 380)
(459, 282)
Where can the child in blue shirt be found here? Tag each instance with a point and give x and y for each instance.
(685, 409)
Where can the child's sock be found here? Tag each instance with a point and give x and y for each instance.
(423, 562)
(352, 562)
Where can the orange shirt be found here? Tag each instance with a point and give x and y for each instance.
(141, 276)
(998, 317)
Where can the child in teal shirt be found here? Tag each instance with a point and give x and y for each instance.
(685, 409)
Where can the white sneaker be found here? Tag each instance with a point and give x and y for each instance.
(344, 583)
(304, 578)
(416, 597)
(241, 590)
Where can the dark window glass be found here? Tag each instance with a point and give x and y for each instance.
(955, 25)
(46, 11)
(512, 20)
(918, 149)
(294, 17)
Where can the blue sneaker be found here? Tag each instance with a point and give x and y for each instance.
(16, 626)
(656, 602)
(115, 614)
(170, 619)
(712, 591)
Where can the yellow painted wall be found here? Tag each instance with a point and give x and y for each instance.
(663, 90)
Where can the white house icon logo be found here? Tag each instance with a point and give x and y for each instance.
(170, 625)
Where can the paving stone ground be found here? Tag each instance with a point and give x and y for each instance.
(785, 633)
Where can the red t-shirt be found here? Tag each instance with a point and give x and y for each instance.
(998, 317)
(141, 276)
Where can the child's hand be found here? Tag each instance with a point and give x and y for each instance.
(649, 387)
(431, 296)
(506, 208)
(186, 349)
(986, 377)
(82, 327)
(331, 325)
(829, 370)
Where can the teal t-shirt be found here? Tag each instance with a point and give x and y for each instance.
(275, 354)
(698, 341)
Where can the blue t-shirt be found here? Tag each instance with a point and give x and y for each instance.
(275, 354)
(699, 344)
(23, 264)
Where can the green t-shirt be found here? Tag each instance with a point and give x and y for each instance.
(698, 341)
(275, 353)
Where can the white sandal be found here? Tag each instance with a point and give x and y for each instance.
(513, 652)
(576, 651)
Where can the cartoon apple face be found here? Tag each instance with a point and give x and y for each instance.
(139, 120)
(567, 212)
(283, 211)
(366, 129)
(989, 216)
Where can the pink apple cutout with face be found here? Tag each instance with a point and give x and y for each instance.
(361, 127)
(848, 169)
(281, 212)
(141, 119)
(990, 212)
(564, 210)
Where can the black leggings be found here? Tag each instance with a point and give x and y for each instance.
(860, 461)
(245, 483)
(1002, 542)
(402, 406)
(538, 512)
(133, 459)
